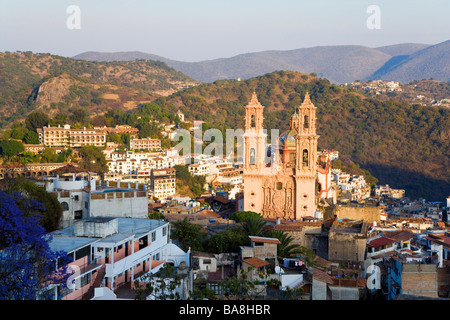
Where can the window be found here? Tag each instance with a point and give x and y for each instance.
(143, 242)
(65, 206)
(305, 157)
(252, 156)
(78, 214)
(153, 236)
(252, 121)
(306, 122)
(292, 158)
(279, 186)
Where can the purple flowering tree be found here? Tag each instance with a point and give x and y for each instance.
(27, 264)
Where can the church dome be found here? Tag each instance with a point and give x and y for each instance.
(287, 139)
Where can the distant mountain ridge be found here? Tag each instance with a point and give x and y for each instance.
(430, 62)
(404, 62)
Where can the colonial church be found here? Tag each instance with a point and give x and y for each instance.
(281, 181)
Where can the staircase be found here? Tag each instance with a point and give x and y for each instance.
(95, 283)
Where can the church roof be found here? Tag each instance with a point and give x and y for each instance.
(287, 139)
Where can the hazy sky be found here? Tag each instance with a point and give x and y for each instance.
(197, 30)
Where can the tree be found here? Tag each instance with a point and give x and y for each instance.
(93, 159)
(227, 241)
(150, 109)
(188, 234)
(184, 178)
(161, 285)
(18, 132)
(36, 119)
(51, 211)
(31, 137)
(59, 119)
(256, 227)
(286, 248)
(241, 216)
(79, 116)
(65, 155)
(27, 263)
(10, 148)
(49, 156)
(241, 287)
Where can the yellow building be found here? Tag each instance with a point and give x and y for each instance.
(65, 136)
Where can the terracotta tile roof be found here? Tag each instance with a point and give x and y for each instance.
(398, 236)
(322, 263)
(362, 282)
(69, 168)
(287, 227)
(380, 242)
(156, 263)
(256, 262)
(321, 276)
(207, 214)
(384, 255)
(264, 240)
(221, 199)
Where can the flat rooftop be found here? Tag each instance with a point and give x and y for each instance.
(65, 239)
(69, 243)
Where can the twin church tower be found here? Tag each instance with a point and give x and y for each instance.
(280, 181)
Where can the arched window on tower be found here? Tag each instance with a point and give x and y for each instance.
(252, 121)
(252, 156)
(306, 122)
(305, 157)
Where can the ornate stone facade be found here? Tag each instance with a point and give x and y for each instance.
(281, 183)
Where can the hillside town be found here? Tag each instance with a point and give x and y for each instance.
(355, 241)
(396, 89)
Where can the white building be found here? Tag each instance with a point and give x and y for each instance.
(198, 169)
(82, 196)
(113, 252)
(136, 166)
(163, 183)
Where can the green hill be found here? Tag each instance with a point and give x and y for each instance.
(404, 145)
(30, 81)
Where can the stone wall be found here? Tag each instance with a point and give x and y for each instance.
(366, 213)
(419, 279)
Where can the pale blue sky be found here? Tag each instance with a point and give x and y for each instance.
(197, 30)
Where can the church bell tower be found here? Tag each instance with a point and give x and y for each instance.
(306, 160)
(254, 154)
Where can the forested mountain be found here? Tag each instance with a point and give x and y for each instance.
(30, 81)
(404, 145)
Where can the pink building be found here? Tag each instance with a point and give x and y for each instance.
(112, 253)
